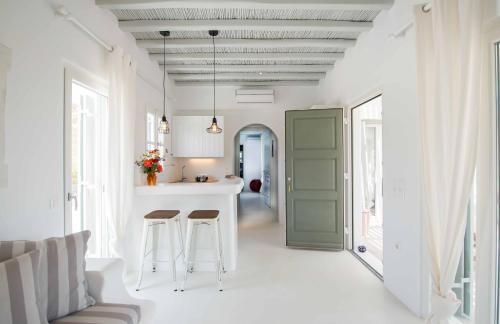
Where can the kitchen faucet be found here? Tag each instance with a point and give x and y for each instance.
(183, 179)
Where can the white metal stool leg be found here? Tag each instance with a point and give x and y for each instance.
(194, 243)
(221, 252)
(144, 243)
(171, 251)
(180, 238)
(155, 233)
(218, 252)
(187, 252)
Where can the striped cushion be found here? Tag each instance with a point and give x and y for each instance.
(104, 314)
(12, 249)
(61, 273)
(18, 290)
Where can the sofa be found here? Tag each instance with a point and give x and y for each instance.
(105, 285)
(51, 281)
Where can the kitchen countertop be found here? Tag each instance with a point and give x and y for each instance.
(232, 186)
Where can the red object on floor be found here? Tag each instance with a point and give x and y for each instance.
(255, 185)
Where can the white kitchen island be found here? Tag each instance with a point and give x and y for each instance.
(189, 196)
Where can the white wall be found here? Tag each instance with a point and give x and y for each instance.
(31, 206)
(5, 58)
(198, 101)
(252, 160)
(381, 65)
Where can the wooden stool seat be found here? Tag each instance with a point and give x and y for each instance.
(204, 214)
(162, 214)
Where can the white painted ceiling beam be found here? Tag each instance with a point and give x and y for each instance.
(246, 43)
(180, 68)
(246, 25)
(255, 4)
(289, 76)
(248, 56)
(248, 83)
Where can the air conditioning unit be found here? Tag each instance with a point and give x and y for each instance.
(254, 96)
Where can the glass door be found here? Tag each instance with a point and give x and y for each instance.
(85, 147)
(367, 194)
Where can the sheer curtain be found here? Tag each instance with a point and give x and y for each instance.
(120, 171)
(449, 68)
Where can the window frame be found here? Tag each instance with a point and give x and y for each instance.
(159, 140)
(487, 310)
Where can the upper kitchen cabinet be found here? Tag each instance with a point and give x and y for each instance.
(190, 138)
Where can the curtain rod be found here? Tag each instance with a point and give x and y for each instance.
(402, 31)
(62, 12)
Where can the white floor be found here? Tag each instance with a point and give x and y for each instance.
(253, 211)
(275, 284)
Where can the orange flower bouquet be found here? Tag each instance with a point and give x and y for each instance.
(150, 164)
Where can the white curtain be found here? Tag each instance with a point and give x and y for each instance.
(449, 68)
(120, 171)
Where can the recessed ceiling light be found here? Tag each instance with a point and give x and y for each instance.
(260, 73)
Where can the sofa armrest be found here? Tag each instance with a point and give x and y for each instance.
(105, 279)
(105, 285)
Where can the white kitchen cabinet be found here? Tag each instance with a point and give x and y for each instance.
(190, 138)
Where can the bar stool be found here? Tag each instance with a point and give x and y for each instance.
(204, 217)
(170, 218)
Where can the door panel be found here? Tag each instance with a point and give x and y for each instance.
(86, 106)
(314, 169)
(313, 133)
(323, 178)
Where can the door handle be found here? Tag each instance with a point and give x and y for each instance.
(73, 196)
(289, 184)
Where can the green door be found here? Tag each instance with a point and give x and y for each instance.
(314, 179)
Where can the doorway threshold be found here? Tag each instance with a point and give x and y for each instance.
(367, 265)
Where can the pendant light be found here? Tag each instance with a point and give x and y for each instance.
(214, 128)
(164, 127)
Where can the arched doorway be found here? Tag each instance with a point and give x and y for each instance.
(256, 162)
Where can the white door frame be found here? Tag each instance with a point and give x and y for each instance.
(369, 96)
(488, 252)
(74, 73)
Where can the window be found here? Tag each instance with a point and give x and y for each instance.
(464, 286)
(154, 140)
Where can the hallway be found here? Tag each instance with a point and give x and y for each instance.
(253, 211)
(274, 284)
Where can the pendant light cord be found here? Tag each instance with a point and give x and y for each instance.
(213, 43)
(164, 75)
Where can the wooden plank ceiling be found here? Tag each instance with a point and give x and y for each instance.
(261, 42)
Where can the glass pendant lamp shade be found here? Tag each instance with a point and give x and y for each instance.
(164, 127)
(214, 128)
